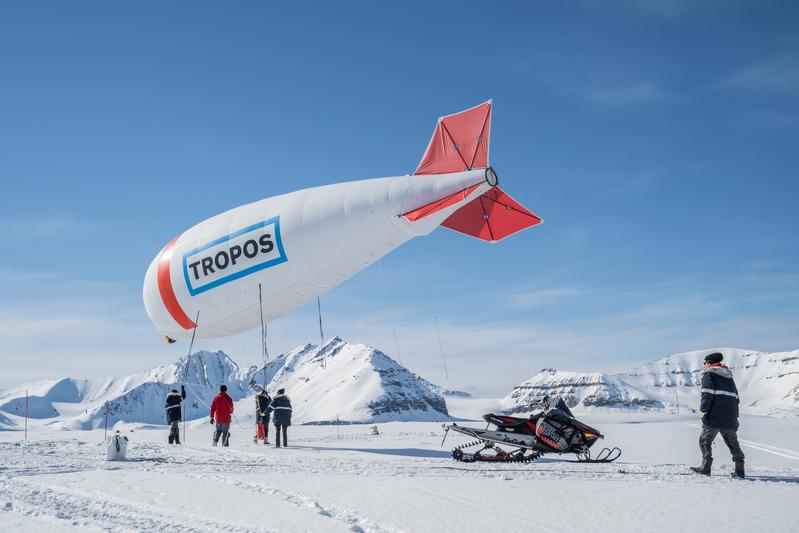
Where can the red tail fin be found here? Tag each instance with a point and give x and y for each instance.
(492, 217)
(459, 142)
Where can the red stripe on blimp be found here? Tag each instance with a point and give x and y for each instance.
(167, 292)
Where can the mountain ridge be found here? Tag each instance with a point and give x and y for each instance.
(768, 383)
(350, 382)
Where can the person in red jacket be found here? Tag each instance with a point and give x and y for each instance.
(221, 410)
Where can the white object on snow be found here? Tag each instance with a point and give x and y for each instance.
(116, 448)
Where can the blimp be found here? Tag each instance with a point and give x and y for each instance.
(260, 261)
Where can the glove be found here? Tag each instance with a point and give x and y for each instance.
(212, 421)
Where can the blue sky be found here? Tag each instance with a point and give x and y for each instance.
(658, 140)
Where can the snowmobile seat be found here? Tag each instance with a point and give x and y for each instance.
(502, 421)
(534, 417)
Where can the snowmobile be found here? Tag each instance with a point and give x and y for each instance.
(513, 439)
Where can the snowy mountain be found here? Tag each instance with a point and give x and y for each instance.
(351, 382)
(450, 393)
(577, 390)
(81, 404)
(768, 384)
(342, 381)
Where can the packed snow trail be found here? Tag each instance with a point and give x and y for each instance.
(400, 480)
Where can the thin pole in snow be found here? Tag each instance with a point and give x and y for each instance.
(321, 333)
(264, 331)
(105, 434)
(193, 333)
(26, 414)
(185, 375)
(438, 331)
(390, 312)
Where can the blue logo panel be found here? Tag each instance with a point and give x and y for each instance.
(234, 256)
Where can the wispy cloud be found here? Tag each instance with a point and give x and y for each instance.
(24, 276)
(777, 74)
(636, 184)
(772, 118)
(535, 298)
(657, 9)
(685, 307)
(761, 265)
(758, 333)
(669, 10)
(631, 94)
(33, 227)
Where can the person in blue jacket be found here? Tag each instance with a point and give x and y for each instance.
(719, 412)
(281, 413)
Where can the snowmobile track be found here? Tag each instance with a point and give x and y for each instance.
(770, 479)
(346, 516)
(33, 498)
(530, 521)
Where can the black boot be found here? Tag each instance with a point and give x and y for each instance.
(171, 439)
(739, 470)
(704, 469)
(177, 439)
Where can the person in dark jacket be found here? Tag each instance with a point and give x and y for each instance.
(281, 406)
(173, 413)
(719, 412)
(221, 412)
(263, 409)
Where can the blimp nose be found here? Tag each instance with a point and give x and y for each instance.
(491, 177)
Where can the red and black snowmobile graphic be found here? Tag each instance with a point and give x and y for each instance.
(513, 439)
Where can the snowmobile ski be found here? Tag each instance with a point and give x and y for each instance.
(605, 455)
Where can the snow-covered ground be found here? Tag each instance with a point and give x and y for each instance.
(346, 479)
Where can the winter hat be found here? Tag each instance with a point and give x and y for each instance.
(713, 358)
(281, 391)
(223, 388)
(174, 390)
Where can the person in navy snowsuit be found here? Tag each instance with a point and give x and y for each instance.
(719, 412)
(173, 413)
(263, 409)
(281, 407)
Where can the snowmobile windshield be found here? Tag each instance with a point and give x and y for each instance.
(561, 405)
